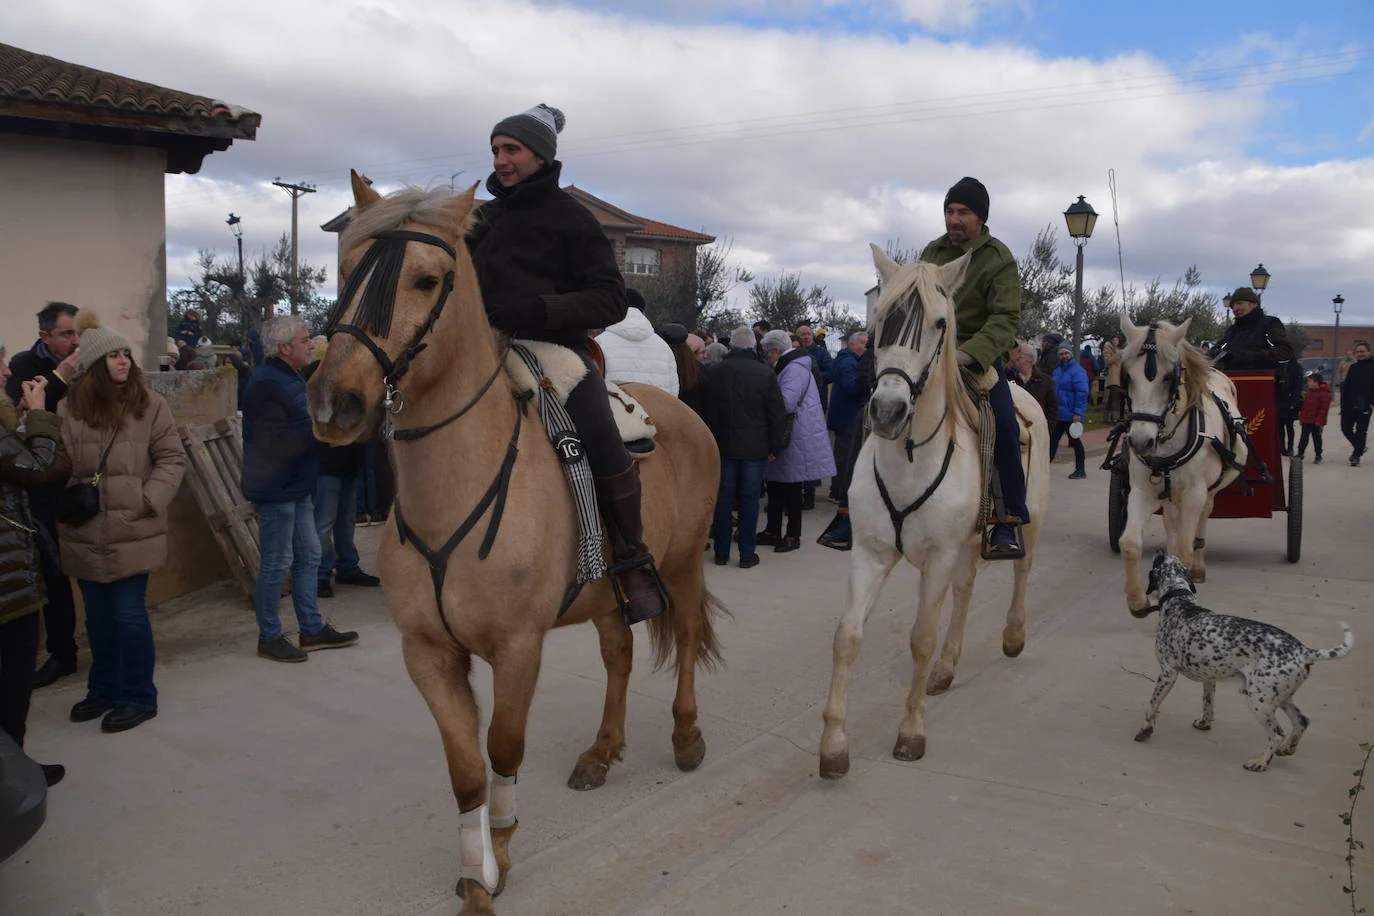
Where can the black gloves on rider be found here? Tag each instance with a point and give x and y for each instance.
(518, 315)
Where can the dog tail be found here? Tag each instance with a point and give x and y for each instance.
(1339, 651)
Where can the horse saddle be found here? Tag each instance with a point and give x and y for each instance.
(563, 369)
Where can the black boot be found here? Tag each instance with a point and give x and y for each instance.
(618, 497)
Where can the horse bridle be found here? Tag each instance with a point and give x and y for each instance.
(1151, 350)
(914, 388)
(394, 371)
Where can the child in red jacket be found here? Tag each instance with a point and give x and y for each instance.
(1316, 403)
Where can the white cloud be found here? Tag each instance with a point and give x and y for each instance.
(803, 147)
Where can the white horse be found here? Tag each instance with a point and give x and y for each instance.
(923, 460)
(1184, 445)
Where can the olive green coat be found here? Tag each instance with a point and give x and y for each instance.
(32, 458)
(144, 470)
(987, 305)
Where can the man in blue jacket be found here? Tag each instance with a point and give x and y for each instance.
(280, 467)
(1071, 385)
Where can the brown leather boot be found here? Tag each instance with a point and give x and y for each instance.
(619, 500)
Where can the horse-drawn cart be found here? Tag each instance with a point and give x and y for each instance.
(1254, 494)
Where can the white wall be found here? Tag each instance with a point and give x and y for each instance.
(83, 223)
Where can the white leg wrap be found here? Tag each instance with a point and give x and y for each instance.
(501, 792)
(478, 858)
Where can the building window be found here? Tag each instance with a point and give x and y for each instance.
(642, 261)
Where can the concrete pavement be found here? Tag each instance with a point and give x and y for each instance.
(320, 788)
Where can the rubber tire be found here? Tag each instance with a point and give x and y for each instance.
(1117, 495)
(1294, 510)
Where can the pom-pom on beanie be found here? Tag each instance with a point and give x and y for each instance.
(537, 128)
(96, 339)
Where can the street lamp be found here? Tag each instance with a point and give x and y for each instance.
(1259, 279)
(1336, 303)
(1081, 218)
(236, 226)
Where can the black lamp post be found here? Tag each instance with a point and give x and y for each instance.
(1259, 279)
(1081, 218)
(236, 226)
(1337, 303)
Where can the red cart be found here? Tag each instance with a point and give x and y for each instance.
(1250, 495)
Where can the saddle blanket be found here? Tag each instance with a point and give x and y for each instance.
(563, 369)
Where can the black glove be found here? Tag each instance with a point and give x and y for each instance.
(518, 315)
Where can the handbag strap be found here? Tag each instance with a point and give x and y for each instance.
(105, 455)
(810, 379)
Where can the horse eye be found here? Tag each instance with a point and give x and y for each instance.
(427, 283)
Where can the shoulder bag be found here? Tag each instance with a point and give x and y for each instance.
(80, 502)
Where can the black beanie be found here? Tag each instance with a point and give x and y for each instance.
(971, 193)
(538, 128)
(673, 332)
(634, 297)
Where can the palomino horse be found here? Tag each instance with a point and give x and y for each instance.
(1183, 445)
(916, 493)
(404, 346)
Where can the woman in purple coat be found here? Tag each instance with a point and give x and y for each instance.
(808, 455)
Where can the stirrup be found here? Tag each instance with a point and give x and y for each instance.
(1014, 552)
(644, 560)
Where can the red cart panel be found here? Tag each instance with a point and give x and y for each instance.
(1258, 396)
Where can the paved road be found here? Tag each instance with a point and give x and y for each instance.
(320, 788)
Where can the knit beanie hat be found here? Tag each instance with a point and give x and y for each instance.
(634, 298)
(971, 193)
(96, 340)
(537, 128)
(673, 332)
(1245, 294)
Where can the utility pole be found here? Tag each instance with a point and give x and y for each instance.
(295, 190)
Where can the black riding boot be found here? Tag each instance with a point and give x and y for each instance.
(619, 500)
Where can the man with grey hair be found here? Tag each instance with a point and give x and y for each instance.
(280, 467)
(742, 405)
(1025, 372)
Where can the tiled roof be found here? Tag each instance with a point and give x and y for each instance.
(36, 86)
(647, 227)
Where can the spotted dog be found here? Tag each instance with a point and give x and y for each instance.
(1208, 647)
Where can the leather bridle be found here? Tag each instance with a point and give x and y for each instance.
(1151, 350)
(914, 389)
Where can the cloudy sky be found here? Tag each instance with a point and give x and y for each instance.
(801, 129)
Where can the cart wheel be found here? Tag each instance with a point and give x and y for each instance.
(1294, 510)
(1116, 509)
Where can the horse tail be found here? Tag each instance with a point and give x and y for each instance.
(663, 633)
(1338, 651)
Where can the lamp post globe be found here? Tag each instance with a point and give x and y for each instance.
(1080, 218)
(1259, 279)
(1337, 304)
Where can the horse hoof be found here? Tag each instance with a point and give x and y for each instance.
(1202, 725)
(1197, 575)
(1012, 649)
(691, 757)
(478, 906)
(834, 766)
(1144, 734)
(939, 682)
(588, 775)
(909, 749)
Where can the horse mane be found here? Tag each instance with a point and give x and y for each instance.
(408, 205)
(908, 293)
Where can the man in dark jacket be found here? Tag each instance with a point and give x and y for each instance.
(1255, 340)
(987, 308)
(1029, 376)
(53, 357)
(548, 272)
(1357, 398)
(742, 405)
(846, 404)
(280, 467)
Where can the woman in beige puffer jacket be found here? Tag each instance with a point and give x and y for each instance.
(111, 555)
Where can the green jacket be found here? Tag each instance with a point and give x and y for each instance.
(987, 307)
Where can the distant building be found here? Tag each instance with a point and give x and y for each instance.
(82, 158)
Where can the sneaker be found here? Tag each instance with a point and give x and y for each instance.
(123, 718)
(749, 562)
(328, 638)
(323, 589)
(1078, 474)
(1002, 539)
(767, 539)
(358, 578)
(787, 545)
(89, 709)
(1317, 460)
(722, 559)
(279, 650)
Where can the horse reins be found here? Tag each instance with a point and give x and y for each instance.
(914, 389)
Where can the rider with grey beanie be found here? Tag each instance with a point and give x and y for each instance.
(548, 272)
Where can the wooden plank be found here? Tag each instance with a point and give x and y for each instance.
(215, 454)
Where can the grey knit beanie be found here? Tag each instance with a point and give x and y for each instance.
(537, 128)
(96, 340)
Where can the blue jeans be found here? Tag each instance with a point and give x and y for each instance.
(335, 507)
(741, 481)
(122, 652)
(286, 531)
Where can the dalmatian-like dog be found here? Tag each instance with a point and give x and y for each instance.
(1208, 647)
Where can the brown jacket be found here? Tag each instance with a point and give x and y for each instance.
(1111, 358)
(143, 472)
(33, 458)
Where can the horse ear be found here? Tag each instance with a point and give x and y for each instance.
(459, 207)
(363, 193)
(1183, 328)
(885, 265)
(951, 275)
(1128, 327)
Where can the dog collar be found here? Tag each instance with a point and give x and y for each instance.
(1175, 593)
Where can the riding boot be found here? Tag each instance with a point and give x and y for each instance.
(618, 497)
